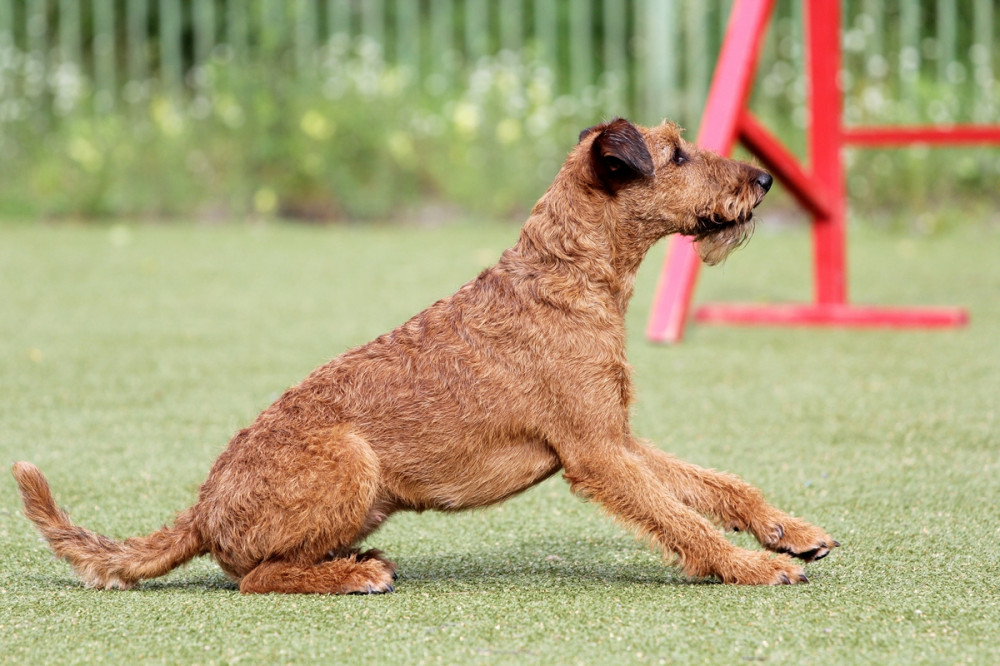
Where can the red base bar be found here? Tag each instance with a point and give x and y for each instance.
(831, 315)
(933, 135)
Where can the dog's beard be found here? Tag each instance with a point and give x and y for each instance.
(715, 244)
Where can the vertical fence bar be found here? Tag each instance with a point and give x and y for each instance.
(305, 36)
(798, 19)
(408, 36)
(697, 61)
(876, 11)
(271, 25)
(441, 30)
(947, 30)
(338, 17)
(104, 55)
(373, 21)
(171, 65)
(237, 31)
(982, 59)
(546, 34)
(442, 43)
(581, 46)
(36, 28)
(615, 52)
(476, 29)
(725, 8)
(36, 70)
(984, 27)
(7, 22)
(511, 24)
(909, 51)
(137, 35)
(660, 70)
(69, 32)
(203, 23)
(767, 105)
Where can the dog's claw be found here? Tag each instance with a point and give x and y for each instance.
(373, 589)
(798, 539)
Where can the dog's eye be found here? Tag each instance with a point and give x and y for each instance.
(615, 164)
(679, 157)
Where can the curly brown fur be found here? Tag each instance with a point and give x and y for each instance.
(519, 374)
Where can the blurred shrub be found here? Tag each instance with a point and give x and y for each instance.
(351, 137)
(354, 139)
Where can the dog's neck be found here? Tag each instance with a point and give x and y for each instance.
(569, 245)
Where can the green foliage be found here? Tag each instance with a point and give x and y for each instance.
(342, 133)
(351, 138)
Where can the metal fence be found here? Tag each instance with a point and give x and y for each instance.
(655, 55)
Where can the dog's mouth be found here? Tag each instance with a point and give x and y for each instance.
(718, 236)
(730, 225)
(710, 225)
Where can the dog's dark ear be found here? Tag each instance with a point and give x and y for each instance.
(585, 133)
(619, 154)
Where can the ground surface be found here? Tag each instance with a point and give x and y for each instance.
(131, 354)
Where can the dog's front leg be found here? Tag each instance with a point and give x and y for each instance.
(738, 506)
(620, 478)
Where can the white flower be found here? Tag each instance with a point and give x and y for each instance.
(508, 131)
(315, 125)
(466, 118)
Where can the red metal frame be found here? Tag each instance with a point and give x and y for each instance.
(819, 189)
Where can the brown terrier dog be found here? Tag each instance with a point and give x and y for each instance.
(519, 374)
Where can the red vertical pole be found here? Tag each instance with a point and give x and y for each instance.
(718, 132)
(825, 143)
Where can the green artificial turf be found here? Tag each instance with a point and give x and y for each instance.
(130, 354)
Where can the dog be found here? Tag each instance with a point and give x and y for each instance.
(519, 374)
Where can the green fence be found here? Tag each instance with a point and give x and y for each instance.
(362, 108)
(656, 56)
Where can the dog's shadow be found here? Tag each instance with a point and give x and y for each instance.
(182, 581)
(517, 565)
(530, 567)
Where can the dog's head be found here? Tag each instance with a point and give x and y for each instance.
(660, 184)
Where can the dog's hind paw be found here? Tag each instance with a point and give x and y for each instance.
(375, 573)
(356, 573)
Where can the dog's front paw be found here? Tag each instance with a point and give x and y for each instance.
(756, 568)
(797, 538)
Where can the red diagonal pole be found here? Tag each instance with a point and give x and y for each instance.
(718, 132)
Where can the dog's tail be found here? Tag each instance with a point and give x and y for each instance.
(99, 561)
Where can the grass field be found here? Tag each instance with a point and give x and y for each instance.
(131, 354)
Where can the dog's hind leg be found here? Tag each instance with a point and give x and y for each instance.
(284, 510)
(737, 505)
(356, 573)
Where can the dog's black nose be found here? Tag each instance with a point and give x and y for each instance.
(764, 180)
